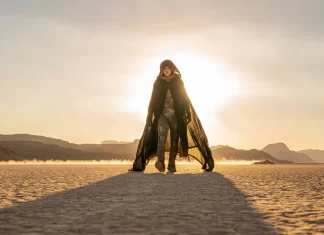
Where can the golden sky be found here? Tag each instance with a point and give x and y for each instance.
(80, 70)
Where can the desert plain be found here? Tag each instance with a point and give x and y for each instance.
(107, 199)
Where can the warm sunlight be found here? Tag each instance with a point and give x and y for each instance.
(209, 83)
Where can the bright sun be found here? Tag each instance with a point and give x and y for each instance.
(209, 83)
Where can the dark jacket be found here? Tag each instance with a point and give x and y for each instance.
(193, 140)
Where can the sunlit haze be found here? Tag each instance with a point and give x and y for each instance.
(84, 72)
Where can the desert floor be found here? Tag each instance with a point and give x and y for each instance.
(106, 199)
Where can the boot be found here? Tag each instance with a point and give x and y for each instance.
(171, 164)
(160, 165)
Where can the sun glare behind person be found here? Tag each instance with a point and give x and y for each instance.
(209, 83)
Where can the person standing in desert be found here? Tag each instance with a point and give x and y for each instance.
(172, 119)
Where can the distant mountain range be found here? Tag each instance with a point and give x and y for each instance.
(114, 142)
(37, 138)
(107, 146)
(229, 153)
(29, 150)
(28, 147)
(128, 147)
(315, 154)
(282, 152)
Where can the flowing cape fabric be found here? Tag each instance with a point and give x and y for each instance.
(193, 140)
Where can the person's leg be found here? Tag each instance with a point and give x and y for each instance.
(174, 135)
(163, 128)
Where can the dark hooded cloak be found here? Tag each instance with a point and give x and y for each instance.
(193, 141)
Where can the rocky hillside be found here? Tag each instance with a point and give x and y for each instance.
(8, 154)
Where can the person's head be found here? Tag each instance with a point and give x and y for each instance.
(168, 68)
(167, 71)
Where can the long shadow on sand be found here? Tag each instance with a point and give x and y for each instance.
(205, 203)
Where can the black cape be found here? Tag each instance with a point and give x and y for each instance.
(193, 141)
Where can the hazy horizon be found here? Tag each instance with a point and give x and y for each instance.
(83, 71)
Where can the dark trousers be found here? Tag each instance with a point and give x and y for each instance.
(164, 124)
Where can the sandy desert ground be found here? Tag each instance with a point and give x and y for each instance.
(106, 199)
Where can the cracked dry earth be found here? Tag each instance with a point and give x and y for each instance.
(106, 199)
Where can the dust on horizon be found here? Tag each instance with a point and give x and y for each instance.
(118, 162)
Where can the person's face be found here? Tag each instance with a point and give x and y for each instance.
(167, 71)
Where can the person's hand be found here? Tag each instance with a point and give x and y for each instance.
(188, 119)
